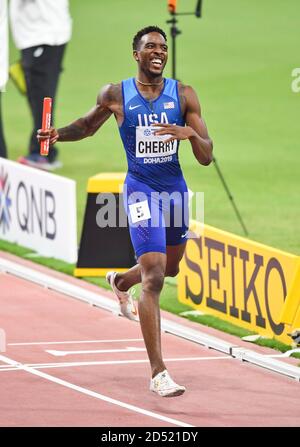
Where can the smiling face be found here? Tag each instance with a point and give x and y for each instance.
(152, 54)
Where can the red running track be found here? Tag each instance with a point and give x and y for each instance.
(108, 386)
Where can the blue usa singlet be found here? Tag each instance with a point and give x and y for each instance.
(153, 167)
(149, 159)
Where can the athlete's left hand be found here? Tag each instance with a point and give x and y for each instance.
(176, 132)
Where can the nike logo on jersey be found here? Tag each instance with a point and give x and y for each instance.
(134, 107)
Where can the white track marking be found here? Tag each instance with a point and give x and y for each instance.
(91, 393)
(109, 362)
(74, 342)
(95, 351)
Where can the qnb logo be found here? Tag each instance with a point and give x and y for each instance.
(296, 82)
(5, 202)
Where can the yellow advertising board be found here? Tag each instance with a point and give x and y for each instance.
(291, 310)
(239, 280)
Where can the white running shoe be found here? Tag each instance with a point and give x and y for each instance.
(163, 385)
(127, 305)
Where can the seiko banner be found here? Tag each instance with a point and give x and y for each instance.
(239, 280)
(38, 210)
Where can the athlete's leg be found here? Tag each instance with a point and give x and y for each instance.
(147, 236)
(174, 256)
(149, 242)
(124, 281)
(132, 277)
(150, 271)
(152, 266)
(177, 230)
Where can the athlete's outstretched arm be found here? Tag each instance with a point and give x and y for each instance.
(195, 129)
(85, 126)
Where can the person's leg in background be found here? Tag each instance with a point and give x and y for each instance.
(42, 66)
(3, 152)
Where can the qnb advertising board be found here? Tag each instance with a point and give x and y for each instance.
(239, 280)
(38, 210)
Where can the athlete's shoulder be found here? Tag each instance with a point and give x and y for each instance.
(128, 84)
(187, 95)
(185, 89)
(110, 94)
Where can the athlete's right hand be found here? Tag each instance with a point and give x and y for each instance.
(49, 134)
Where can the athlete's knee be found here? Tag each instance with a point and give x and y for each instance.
(153, 279)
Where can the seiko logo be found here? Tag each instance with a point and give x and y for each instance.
(257, 273)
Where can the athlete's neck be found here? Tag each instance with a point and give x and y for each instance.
(150, 83)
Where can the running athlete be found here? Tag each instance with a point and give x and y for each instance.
(153, 114)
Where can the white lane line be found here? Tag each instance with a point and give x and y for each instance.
(109, 362)
(74, 342)
(95, 351)
(91, 393)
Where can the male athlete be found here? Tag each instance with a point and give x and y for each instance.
(153, 113)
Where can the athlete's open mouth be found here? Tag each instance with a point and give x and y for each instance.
(157, 63)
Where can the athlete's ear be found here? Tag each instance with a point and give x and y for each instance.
(135, 55)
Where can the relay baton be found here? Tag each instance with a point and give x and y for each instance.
(46, 123)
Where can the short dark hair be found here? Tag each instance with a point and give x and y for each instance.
(147, 30)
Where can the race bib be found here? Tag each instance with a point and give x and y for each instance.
(139, 211)
(150, 145)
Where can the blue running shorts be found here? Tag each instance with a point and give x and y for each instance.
(156, 218)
